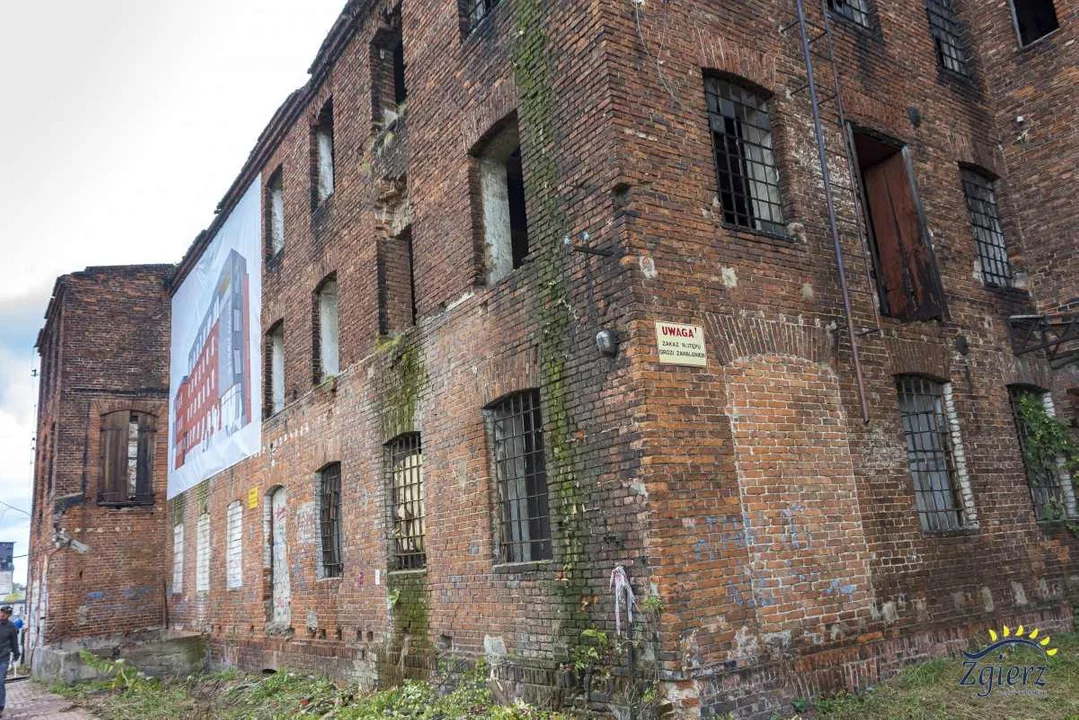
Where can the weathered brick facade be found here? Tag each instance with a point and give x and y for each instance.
(780, 531)
(97, 564)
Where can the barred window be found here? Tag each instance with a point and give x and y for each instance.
(202, 554)
(856, 11)
(988, 235)
(330, 519)
(930, 453)
(745, 164)
(516, 429)
(127, 459)
(947, 35)
(234, 544)
(404, 477)
(1051, 488)
(476, 10)
(178, 558)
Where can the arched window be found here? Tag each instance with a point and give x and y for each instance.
(127, 459)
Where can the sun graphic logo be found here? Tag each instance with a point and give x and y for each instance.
(1015, 663)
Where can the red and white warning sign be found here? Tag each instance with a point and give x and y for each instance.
(680, 344)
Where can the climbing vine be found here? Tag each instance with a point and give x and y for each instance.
(1049, 448)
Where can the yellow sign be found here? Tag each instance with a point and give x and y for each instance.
(253, 498)
(681, 344)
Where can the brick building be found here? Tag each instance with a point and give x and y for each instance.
(99, 515)
(455, 456)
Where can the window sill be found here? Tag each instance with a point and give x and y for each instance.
(755, 234)
(126, 504)
(870, 32)
(404, 574)
(966, 531)
(273, 262)
(522, 567)
(1007, 290)
(1035, 43)
(335, 578)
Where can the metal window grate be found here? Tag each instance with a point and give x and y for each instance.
(1044, 475)
(947, 35)
(930, 453)
(330, 519)
(988, 235)
(745, 163)
(404, 476)
(521, 472)
(476, 10)
(856, 11)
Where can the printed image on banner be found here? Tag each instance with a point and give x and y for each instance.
(216, 373)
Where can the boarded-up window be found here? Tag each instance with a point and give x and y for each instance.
(202, 554)
(324, 167)
(404, 475)
(234, 544)
(516, 429)
(1034, 19)
(330, 519)
(396, 283)
(906, 273)
(178, 558)
(327, 352)
(127, 459)
(276, 202)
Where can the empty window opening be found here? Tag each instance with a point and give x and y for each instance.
(516, 429)
(330, 519)
(276, 202)
(1034, 19)
(502, 192)
(745, 163)
(980, 191)
(932, 453)
(397, 283)
(234, 515)
(857, 11)
(947, 35)
(275, 385)
(1051, 488)
(905, 270)
(202, 554)
(476, 10)
(388, 89)
(127, 459)
(327, 344)
(324, 154)
(178, 558)
(404, 476)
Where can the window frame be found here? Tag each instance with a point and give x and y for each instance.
(860, 16)
(271, 378)
(1059, 486)
(275, 186)
(510, 544)
(407, 541)
(321, 352)
(331, 561)
(944, 19)
(203, 551)
(1019, 30)
(178, 558)
(745, 207)
(991, 239)
(469, 19)
(110, 490)
(234, 544)
(324, 126)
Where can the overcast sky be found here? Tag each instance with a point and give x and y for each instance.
(123, 124)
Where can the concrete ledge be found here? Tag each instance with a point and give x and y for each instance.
(156, 653)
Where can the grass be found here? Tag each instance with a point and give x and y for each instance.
(932, 691)
(287, 696)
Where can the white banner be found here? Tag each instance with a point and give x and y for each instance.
(215, 380)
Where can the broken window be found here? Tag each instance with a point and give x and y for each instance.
(931, 452)
(857, 11)
(388, 89)
(404, 476)
(202, 554)
(1051, 487)
(275, 366)
(397, 284)
(745, 164)
(234, 554)
(324, 154)
(327, 346)
(947, 35)
(905, 270)
(988, 235)
(276, 202)
(178, 558)
(516, 429)
(1034, 19)
(127, 459)
(330, 519)
(502, 192)
(476, 10)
